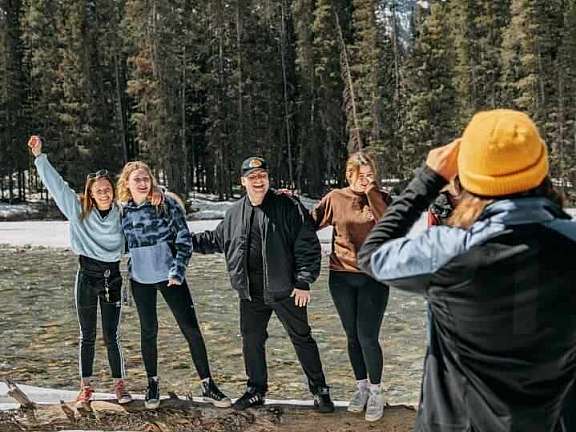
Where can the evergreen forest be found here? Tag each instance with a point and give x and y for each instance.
(193, 87)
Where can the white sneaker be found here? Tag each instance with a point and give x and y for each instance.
(375, 406)
(358, 401)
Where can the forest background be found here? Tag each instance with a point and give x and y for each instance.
(195, 86)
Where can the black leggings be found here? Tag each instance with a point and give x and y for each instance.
(89, 291)
(180, 302)
(361, 302)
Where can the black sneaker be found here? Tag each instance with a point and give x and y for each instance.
(152, 399)
(322, 401)
(211, 393)
(251, 398)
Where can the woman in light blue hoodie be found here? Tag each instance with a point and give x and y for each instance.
(96, 237)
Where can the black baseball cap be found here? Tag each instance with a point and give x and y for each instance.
(252, 164)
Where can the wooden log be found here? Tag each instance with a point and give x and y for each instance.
(180, 415)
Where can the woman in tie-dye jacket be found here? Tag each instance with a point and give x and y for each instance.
(160, 245)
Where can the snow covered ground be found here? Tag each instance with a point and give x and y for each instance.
(17, 211)
(55, 233)
(202, 207)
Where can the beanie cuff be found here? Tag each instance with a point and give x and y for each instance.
(506, 184)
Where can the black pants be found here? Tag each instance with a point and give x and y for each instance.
(90, 291)
(361, 302)
(254, 318)
(180, 302)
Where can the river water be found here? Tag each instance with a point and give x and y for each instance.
(39, 333)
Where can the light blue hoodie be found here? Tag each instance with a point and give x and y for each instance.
(95, 237)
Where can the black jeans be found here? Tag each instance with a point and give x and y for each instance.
(361, 302)
(89, 291)
(180, 302)
(254, 318)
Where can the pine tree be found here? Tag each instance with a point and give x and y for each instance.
(431, 96)
(328, 137)
(520, 77)
(476, 33)
(366, 55)
(13, 118)
(567, 95)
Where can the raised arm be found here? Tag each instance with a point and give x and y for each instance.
(388, 254)
(65, 197)
(377, 200)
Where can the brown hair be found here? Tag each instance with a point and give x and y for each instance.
(471, 206)
(123, 192)
(86, 200)
(358, 159)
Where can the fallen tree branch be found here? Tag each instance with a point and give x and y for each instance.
(15, 393)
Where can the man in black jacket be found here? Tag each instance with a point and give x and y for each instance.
(273, 255)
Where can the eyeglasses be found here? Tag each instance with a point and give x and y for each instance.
(97, 174)
(257, 176)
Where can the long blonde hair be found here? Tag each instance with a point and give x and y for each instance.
(468, 210)
(86, 200)
(123, 192)
(358, 159)
(471, 206)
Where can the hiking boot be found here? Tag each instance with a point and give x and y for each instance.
(83, 398)
(122, 395)
(152, 399)
(251, 398)
(211, 393)
(359, 400)
(322, 401)
(375, 406)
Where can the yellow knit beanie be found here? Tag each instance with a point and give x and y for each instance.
(501, 153)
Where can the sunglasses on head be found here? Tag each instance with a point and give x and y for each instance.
(98, 174)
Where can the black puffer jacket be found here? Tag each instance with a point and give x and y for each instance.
(290, 246)
(502, 295)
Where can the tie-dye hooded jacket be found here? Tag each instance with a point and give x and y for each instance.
(158, 241)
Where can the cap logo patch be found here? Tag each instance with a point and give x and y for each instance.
(255, 163)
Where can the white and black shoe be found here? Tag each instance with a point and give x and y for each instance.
(152, 399)
(212, 394)
(251, 398)
(322, 402)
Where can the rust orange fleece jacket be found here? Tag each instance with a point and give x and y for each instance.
(352, 215)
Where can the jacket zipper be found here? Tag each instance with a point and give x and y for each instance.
(246, 264)
(263, 230)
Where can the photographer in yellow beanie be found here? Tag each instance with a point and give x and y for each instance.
(499, 279)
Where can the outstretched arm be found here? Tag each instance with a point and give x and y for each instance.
(321, 214)
(209, 242)
(387, 253)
